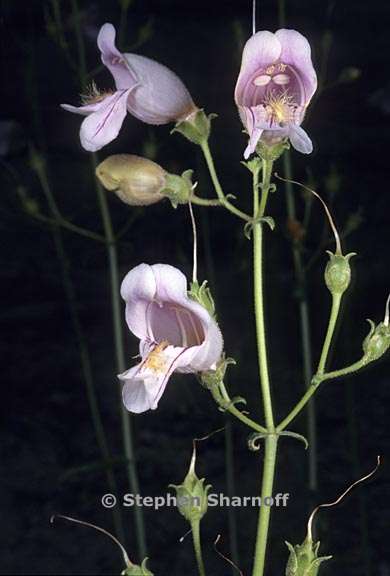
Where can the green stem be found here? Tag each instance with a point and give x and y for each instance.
(336, 300)
(272, 439)
(300, 279)
(223, 400)
(205, 201)
(320, 376)
(271, 443)
(316, 381)
(195, 528)
(85, 360)
(258, 212)
(127, 431)
(60, 221)
(112, 256)
(218, 188)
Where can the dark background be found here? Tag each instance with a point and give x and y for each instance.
(50, 462)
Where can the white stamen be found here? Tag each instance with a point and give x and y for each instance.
(262, 80)
(281, 79)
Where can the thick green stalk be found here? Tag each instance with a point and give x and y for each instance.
(271, 443)
(112, 256)
(195, 529)
(271, 439)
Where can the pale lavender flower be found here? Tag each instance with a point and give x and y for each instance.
(275, 85)
(176, 333)
(148, 90)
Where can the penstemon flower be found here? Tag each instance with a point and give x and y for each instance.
(176, 333)
(148, 90)
(275, 85)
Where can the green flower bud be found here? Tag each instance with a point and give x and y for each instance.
(304, 559)
(338, 272)
(133, 570)
(202, 294)
(196, 127)
(377, 341)
(137, 181)
(192, 495)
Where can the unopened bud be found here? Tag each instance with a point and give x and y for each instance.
(304, 559)
(137, 181)
(338, 272)
(377, 341)
(192, 495)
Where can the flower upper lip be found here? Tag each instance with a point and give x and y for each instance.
(275, 85)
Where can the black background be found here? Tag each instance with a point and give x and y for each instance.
(50, 462)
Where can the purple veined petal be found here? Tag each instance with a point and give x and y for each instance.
(161, 97)
(103, 124)
(296, 51)
(261, 50)
(300, 139)
(145, 383)
(115, 61)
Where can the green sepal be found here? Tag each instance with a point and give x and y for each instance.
(254, 165)
(338, 272)
(303, 559)
(134, 570)
(201, 293)
(178, 189)
(196, 127)
(272, 152)
(213, 378)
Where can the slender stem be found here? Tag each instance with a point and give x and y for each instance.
(195, 528)
(218, 188)
(320, 376)
(272, 439)
(222, 398)
(120, 359)
(316, 381)
(300, 279)
(230, 485)
(271, 443)
(112, 256)
(258, 212)
(60, 221)
(85, 358)
(336, 300)
(205, 201)
(297, 408)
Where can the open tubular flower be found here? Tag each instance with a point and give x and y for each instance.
(176, 334)
(148, 90)
(275, 85)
